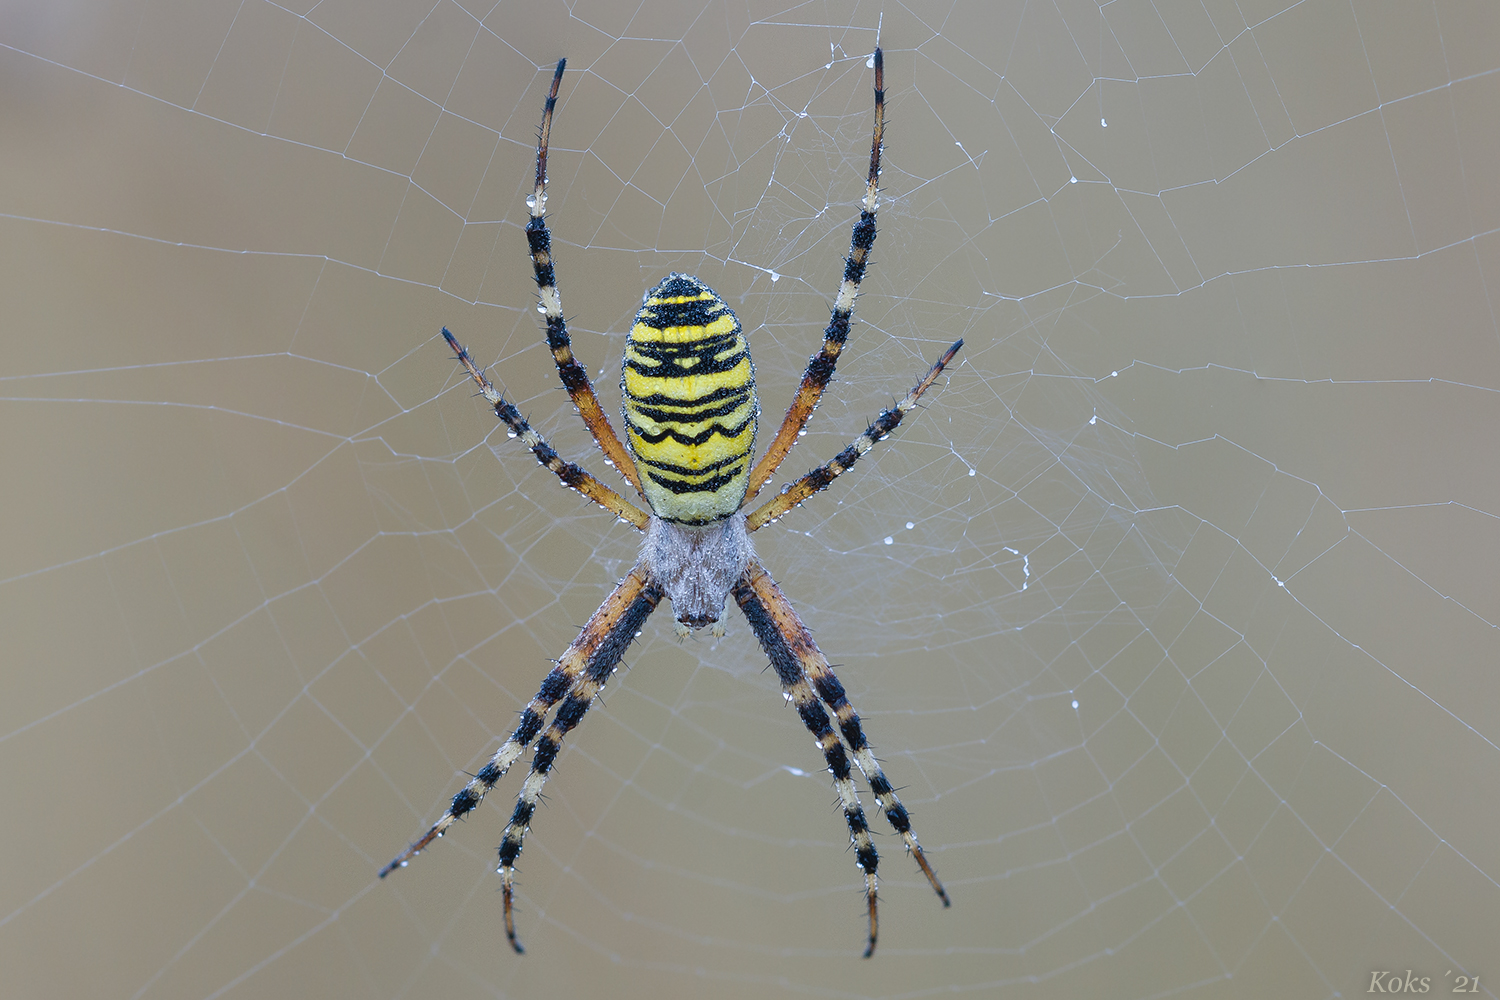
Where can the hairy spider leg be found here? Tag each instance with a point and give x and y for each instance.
(819, 479)
(777, 643)
(820, 367)
(617, 623)
(574, 377)
(606, 630)
(820, 672)
(572, 476)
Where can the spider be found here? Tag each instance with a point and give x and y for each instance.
(690, 417)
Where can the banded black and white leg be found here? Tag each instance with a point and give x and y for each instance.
(572, 475)
(820, 366)
(777, 644)
(809, 681)
(831, 692)
(616, 624)
(574, 377)
(602, 641)
(820, 478)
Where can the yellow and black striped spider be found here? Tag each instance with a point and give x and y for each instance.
(690, 416)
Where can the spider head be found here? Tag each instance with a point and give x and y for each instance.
(697, 564)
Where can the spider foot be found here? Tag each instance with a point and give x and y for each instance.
(932, 879)
(874, 916)
(510, 918)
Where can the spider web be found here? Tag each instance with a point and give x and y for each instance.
(1173, 610)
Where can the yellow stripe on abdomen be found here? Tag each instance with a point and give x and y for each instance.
(689, 402)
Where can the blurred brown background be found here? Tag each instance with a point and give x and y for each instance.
(1173, 611)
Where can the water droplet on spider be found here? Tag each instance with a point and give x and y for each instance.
(786, 695)
(541, 308)
(802, 432)
(510, 434)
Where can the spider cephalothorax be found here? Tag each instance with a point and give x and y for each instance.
(690, 418)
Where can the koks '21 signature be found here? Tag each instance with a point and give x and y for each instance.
(1385, 981)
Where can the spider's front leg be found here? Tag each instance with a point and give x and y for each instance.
(590, 661)
(579, 674)
(804, 670)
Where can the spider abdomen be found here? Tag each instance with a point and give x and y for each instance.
(689, 402)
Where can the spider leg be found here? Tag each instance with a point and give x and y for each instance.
(787, 643)
(598, 651)
(573, 476)
(831, 691)
(803, 669)
(610, 627)
(820, 366)
(818, 479)
(574, 377)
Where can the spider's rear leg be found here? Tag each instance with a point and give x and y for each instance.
(539, 244)
(820, 366)
(819, 479)
(572, 476)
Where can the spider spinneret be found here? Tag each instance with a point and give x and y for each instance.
(690, 414)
